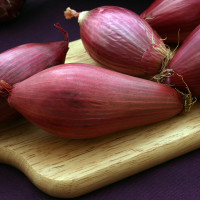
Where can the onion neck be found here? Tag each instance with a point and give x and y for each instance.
(63, 31)
(70, 13)
(82, 16)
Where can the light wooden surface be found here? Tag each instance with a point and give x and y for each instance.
(68, 168)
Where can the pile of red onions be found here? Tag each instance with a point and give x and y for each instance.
(167, 17)
(121, 40)
(10, 9)
(23, 61)
(82, 101)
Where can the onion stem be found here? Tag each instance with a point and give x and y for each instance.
(70, 13)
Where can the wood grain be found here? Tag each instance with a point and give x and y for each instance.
(68, 168)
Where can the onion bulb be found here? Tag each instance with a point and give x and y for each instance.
(82, 101)
(186, 65)
(167, 17)
(23, 61)
(119, 39)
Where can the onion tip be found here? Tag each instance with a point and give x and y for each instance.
(63, 31)
(70, 13)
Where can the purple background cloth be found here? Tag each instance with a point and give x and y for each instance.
(173, 180)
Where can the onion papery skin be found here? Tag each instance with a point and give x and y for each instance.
(119, 39)
(81, 101)
(168, 16)
(10, 9)
(186, 64)
(23, 61)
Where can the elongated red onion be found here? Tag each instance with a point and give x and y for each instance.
(83, 101)
(168, 16)
(10, 9)
(119, 39)
(23, 61)
(186, 65)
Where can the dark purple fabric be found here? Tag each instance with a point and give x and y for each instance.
(178, 179)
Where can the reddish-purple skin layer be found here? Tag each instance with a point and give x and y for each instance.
(82, 101)
(23, 61)
(121, 40)
(186, 63)
(168, 16)
(10, 9)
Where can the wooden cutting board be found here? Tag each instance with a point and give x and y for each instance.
(68, 168)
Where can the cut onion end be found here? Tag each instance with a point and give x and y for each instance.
(5, 89)
(70, 13)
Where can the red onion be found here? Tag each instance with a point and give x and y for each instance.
(186, 65)
(168, 16)
(83, 101)
(23, 61)
(10, 9)
(118, 38)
